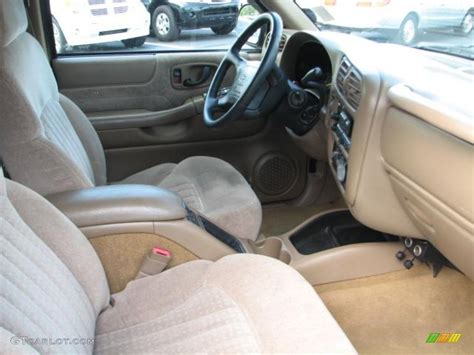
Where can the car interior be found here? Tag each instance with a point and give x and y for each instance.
(310, 193)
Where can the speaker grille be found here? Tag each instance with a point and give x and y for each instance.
(275, 174)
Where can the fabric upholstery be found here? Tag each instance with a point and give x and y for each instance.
(59, 132)
(213, 188)
(39, 146)
(152, 176)
(89, 139)
(64, 239)
(158, 313)
(52, 286)
(49, 145)
(216, 309)
(13, 21)
(11, 347)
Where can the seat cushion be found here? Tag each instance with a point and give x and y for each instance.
(241, 303)
(213, 188)
(53, 287)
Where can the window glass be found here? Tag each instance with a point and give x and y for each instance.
(436, 25)
(97, 26)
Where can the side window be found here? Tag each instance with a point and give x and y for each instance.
(98, 26)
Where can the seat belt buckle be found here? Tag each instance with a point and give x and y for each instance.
(155, 262)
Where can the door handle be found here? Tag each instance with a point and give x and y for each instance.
(205, 75)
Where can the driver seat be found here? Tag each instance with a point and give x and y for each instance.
(48, 144)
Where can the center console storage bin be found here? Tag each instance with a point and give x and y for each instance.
(333, 230)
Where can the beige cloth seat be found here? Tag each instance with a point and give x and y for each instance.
(214, 188)
(53, 287)
(49, 145)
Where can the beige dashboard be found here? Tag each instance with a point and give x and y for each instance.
(405, 161)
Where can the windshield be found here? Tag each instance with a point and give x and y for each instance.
(436, 25)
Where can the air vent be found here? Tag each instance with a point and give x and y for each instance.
(282, 42)
(342, 73)
(349, 83)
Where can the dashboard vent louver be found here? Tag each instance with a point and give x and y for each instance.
(349, 83)
(284, 38)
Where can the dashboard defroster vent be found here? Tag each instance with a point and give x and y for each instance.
(349, 83)
(284, 38)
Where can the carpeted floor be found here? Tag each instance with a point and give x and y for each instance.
(394, 313)
(281, 219)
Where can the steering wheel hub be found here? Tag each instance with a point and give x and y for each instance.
(221, 105)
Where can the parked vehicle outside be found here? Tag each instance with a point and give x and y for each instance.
(402, 19)
(85, 22)
(169, 17)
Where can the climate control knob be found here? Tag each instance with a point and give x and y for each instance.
(340, 166)
(341, 171)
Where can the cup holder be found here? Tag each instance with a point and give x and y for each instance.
(335, 229)
(273, 248)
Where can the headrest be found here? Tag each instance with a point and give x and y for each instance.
(13, 21)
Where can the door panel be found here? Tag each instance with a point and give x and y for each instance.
(246, 154)
(127, 82)
(145, 116)
(87, 72)
(190, 130)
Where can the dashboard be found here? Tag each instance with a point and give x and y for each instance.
(398, 133)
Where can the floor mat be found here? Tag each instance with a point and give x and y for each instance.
(395, 313)
(281, 219)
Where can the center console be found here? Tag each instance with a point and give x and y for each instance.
(333, 246)
(125, 223)
(142, 209)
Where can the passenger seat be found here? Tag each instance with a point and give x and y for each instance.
(54, 297)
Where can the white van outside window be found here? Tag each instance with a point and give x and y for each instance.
(88, 22)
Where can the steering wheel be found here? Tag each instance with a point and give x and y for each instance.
(250, 76)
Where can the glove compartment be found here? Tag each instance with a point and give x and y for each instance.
(431, 172)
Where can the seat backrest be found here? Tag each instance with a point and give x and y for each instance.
(52, 284)
(46, 142)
